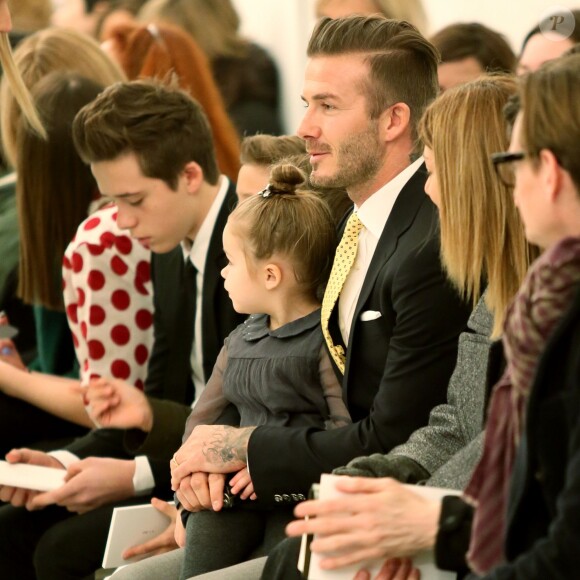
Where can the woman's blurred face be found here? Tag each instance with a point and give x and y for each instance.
(432, 183)
(5, 20)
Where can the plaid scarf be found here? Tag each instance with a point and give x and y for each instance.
(540, 304)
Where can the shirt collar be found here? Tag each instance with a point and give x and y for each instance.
(372, 213)
(256, 326)
(197, 251)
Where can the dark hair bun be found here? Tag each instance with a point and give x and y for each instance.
(285, 177)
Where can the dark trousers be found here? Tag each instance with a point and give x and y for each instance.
(24, 425)
(283, 561)
(54, 544)
(231, 536)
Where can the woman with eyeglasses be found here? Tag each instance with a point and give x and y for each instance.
(519, 517)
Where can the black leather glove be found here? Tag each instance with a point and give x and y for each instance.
(398, 467)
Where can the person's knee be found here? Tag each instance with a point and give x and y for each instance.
(52, 550)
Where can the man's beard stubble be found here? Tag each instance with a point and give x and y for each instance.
(358, 160)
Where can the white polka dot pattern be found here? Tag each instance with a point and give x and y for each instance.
(343, 261)
(108, 297)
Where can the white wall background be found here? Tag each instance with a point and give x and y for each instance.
(284, 26)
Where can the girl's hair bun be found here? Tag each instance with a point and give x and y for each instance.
(285, 178)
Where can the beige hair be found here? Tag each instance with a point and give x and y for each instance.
(44, 52)
(482, 237)
(14, 84)
(213, 24)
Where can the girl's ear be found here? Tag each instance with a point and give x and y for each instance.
(272, 276)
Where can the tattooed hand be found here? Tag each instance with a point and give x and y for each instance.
(211, 449)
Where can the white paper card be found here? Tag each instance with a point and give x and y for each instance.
(130, 526)
(423, 561)
(31, 476)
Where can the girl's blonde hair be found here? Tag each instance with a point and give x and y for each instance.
(294, 222)
(482, 236)
(53, 49)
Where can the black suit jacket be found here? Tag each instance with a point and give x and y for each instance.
(397, 367)
(169, 371)
(543, 518)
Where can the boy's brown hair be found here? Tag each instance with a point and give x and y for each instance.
(162, 125)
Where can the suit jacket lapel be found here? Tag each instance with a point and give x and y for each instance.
(214, 263)
(402, 215)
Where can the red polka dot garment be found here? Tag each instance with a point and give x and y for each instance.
(109, 299)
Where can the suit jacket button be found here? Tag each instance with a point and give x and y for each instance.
(539, 475)
(301, 497)
(278, 498)
(285, 497)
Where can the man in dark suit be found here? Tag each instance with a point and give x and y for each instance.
(150, 149)
(367, 82)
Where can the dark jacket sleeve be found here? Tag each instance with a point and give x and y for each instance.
(422, 350)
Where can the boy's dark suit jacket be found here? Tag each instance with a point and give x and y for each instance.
(169, 372)
(397, 367)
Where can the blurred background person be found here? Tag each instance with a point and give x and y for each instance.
(469, 50)
(244, 72)
(53, 196)
(160, 50)
(410, 10)
(539, 47)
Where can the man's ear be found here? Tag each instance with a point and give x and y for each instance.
(193, 176)
(394, 121)
(272, 276)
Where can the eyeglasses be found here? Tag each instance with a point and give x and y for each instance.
(504, 165)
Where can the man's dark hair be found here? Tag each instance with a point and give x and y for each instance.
(403, 63)
(162, 125)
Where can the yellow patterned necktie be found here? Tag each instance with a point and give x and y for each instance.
(343, 261)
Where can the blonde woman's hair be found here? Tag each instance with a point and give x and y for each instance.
(482, 236)
(288, 219)
(14, 83)
(53, 49)
(213, 24)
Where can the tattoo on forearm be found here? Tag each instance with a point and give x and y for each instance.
(228, 446)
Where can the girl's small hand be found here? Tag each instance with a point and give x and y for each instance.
(242, 482)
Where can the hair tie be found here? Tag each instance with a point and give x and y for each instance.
(270, 190)
(154, 31)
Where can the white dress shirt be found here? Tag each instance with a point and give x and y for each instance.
(373, 214)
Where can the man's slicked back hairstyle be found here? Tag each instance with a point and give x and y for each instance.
(162, 125)
(402, 62)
